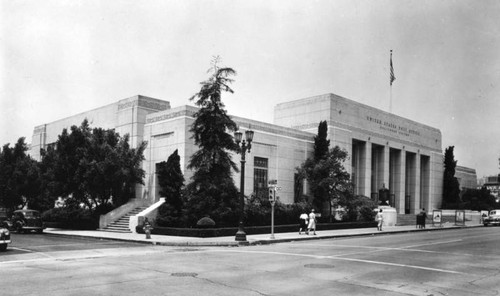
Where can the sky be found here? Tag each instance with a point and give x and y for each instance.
(60, 58)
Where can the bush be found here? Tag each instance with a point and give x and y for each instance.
(72, 218)
(168, 216)
(366, 214)
(258, 212)
(103, 209)
(205, 222)
(230, 231)
(359, 208)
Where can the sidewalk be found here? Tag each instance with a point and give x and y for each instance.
(254, 239)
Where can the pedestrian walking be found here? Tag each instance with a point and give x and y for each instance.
(312, 223)
(380, 220)
(303, 222)
(424, 216)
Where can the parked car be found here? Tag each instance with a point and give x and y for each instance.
(26, 221)
(493, 218)
(4, 237)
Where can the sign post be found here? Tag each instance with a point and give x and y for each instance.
(272, 199)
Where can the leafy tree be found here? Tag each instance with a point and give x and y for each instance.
(451, 186)
(321, 144)
(479, 199)
(328, 179)
(325, 171)
(212, 190)
(93, 167)
(19, 176)
(171, 181)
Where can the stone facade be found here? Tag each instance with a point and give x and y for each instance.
(466, 177)
(385, 149)
(126, 116)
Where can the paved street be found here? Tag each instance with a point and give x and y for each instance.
(450, 262)
(40, 245)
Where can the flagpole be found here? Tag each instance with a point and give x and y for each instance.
(390, 100)
(391, 80)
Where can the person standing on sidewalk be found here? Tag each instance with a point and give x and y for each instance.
(380, 220)
(424, 216)
(303, 222)
(312, 223)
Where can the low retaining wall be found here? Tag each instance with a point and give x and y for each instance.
(215, 232)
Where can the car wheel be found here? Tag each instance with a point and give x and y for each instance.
(19, 229)
(3, 247)
(39, 231)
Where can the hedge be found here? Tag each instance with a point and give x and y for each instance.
(230, 231)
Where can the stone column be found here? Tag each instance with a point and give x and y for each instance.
(399, 181)
(415, 202)
(385, 167)
(365, 162)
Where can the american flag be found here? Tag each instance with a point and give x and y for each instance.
(392, 77)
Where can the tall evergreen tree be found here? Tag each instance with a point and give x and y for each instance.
(321, 144)
(171, 181)
(451, 186)
(212, 189)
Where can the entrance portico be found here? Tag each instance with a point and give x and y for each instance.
(386, 151)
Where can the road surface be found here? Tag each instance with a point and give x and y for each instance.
(449, 262)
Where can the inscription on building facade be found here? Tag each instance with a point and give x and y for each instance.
(392, 127)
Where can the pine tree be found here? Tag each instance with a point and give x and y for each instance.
(212, 190)
(451, 187)
(171, 181)
(321, 144)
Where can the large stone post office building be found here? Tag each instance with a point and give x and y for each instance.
(385, 150)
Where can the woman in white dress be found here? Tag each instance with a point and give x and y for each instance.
(312, 223)
(380, 220)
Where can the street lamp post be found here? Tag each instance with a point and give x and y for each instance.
(246, 144)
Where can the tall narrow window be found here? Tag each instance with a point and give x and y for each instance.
(260, 176)
(298, 188)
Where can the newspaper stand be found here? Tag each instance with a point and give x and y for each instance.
(460, 217)
(437, 216)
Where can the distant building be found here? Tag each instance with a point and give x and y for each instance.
(467, 177)
(385, 150)
(492, 183)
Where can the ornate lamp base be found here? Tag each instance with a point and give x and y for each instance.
(241, 236)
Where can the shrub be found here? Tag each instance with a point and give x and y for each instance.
(103, 209)
(205, 222)
(168, 216)
(258, 213)
(366, 213)
(359, 208)
(71, 218)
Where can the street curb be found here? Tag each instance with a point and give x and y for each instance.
(261, 241)
(283, 240)
(156, 243)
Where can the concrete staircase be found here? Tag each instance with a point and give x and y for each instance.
(122, 224)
